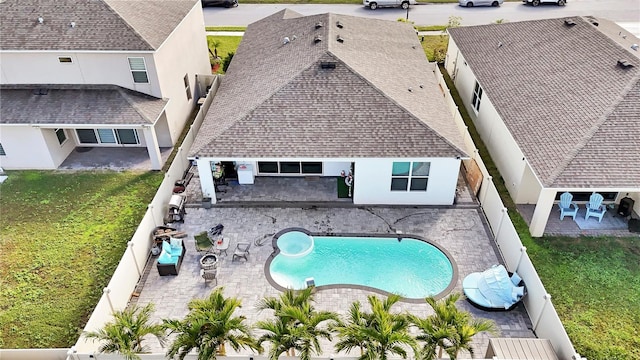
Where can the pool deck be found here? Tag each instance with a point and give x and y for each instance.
(459, 229)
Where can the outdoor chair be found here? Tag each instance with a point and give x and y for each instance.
(241, 252)
(567, 206)
(595, 207)
(209, 275)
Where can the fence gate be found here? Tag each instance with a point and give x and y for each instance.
(473, 174)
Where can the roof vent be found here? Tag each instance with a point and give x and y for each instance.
(624, 64)
(569, 22)
(40, 91)
(317, 39)
(592, 20)
(410, 89)
(634, 47)
(319, 24)
(339, 24)
(340, 39)
(286, 40)
(72, 24)
(327, 65)
(40, 20)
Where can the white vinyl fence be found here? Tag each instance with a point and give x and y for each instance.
(545, 320)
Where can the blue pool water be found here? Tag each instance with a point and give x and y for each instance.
(411, 268)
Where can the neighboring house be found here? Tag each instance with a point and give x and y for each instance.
(557, 102)
(318, 95)
(108, 73)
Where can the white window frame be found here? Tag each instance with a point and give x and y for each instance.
(477, 97)
(187, 86)
(409, 177)
(131, 68)
(115, 135)
(64, 133)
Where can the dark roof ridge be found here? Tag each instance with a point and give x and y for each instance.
(417, 119)
(592, 131)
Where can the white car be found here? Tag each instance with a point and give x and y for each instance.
(472, 3)
(538, 2)
(374, 4)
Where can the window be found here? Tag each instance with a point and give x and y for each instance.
(62, 136)
(108, 136)
(411, 176)
(290, 167)
(65, 59)
(477, 96)
(2, 153)
(187, 88)
(138, 70)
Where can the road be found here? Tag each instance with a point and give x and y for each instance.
(625, 12)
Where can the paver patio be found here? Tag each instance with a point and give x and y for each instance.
(459, 229)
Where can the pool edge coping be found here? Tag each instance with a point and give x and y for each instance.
(440, 295)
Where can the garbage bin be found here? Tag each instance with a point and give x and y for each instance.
(206, 202)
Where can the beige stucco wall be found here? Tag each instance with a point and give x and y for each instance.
(529, 189)
(183, 53)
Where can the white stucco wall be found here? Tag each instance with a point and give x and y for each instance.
(25, 148)
(183, 53)
(88, 67)
(372, 183)
(530, 187)
(503, 149)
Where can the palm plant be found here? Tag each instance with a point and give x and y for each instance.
(351, 334)
(125, 334)
(449, 329)
(297, 324)
(208, 326)
(386, 333)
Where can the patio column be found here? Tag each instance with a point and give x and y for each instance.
(542, 211)
(206, 179)
(153, 149)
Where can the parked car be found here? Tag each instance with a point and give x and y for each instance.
(538, 2)
(225, 3)
(472, 3)
(374, 4)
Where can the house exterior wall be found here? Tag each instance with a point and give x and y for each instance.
(372, 182)
(183, 53)
(529, 189)
(87, 67)
(504, 150)
(21, 142)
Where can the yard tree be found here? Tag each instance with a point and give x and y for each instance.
(125, 334)
(208, 326)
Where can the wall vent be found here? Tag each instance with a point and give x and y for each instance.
(339, 24)
(340, 39)
(327, 65)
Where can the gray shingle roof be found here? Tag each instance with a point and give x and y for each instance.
(277, 101)
(135, 25)
(77, 105)
(572, 109)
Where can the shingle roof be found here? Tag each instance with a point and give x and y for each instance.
(276, 100)
(135, 25)
(77, 105)
(559, 89)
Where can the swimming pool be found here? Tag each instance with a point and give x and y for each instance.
(402, 264)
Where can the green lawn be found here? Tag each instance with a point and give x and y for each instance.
(594, 282)
(225, 45)
(63, 233)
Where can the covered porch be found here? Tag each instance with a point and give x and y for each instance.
(611, 224)
(112, 158)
